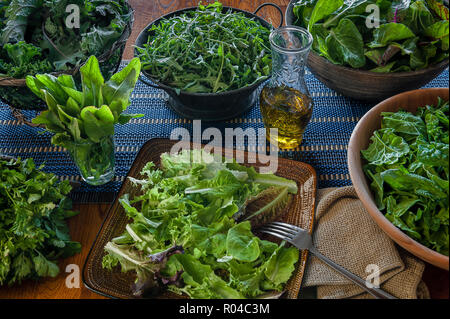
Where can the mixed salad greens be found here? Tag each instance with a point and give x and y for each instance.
(33, 230)
(192, 229)
(408, 165)
(207, 50)
(409, 35)
(34, 37)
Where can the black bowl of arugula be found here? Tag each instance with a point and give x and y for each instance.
(369, 58)
(55, 37)
(210, 60)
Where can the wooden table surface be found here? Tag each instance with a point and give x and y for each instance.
(85, 226)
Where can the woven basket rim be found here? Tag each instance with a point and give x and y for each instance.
(301, 213)
(21, 82)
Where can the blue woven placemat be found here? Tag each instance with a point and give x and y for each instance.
(324, 146)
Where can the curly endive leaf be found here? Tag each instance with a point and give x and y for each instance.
(439, 8)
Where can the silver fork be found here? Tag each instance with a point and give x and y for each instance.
(301, 239)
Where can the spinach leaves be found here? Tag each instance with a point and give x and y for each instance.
(187, 211)
(410, 35)
(33, 230)
(408, 165)
(207, 51)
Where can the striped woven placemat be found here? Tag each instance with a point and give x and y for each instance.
(324, 146)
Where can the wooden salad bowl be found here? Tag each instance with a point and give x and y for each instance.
(360, 139)
(366, 85)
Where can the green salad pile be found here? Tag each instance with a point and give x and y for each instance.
(207, 51)
(192, 229)
(377, 35)
(35, 37)
(33, 230)
(408, 165)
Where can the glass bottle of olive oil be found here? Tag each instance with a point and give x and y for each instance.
(285, 102)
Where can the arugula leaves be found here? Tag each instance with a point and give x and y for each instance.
(409, 37)
(208, 51)
(33, 230)
(194, 202)
(408, 165)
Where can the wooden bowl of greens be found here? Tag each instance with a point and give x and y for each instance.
(398, 158)
(368, 59)
(45, 37)
(210, 60)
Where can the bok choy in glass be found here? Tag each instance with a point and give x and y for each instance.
(83, 121)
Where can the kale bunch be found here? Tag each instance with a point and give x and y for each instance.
(408, 166)
(35, 37)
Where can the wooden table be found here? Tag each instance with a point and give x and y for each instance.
(84, 227)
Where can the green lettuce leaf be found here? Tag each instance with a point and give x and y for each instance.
(242, 244)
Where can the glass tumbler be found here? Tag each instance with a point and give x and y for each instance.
(95, 161)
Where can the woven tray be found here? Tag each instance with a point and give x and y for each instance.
(116, 284)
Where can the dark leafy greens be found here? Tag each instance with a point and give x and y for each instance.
(33, 230)
(35, 38)
(207, 51)
(411, 35)
(408, 165)
(185, 238)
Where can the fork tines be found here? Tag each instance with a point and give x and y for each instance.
(281, 230)
(285, 226)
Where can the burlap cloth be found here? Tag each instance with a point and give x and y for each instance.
(345, 233)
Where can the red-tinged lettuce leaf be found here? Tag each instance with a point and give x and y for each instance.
(147, 267)
(439, 9)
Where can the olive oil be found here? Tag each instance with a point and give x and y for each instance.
(285, 102)
(287, 110)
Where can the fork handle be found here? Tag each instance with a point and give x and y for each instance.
(376, 292)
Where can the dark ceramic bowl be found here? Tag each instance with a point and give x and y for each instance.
(207, 106)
